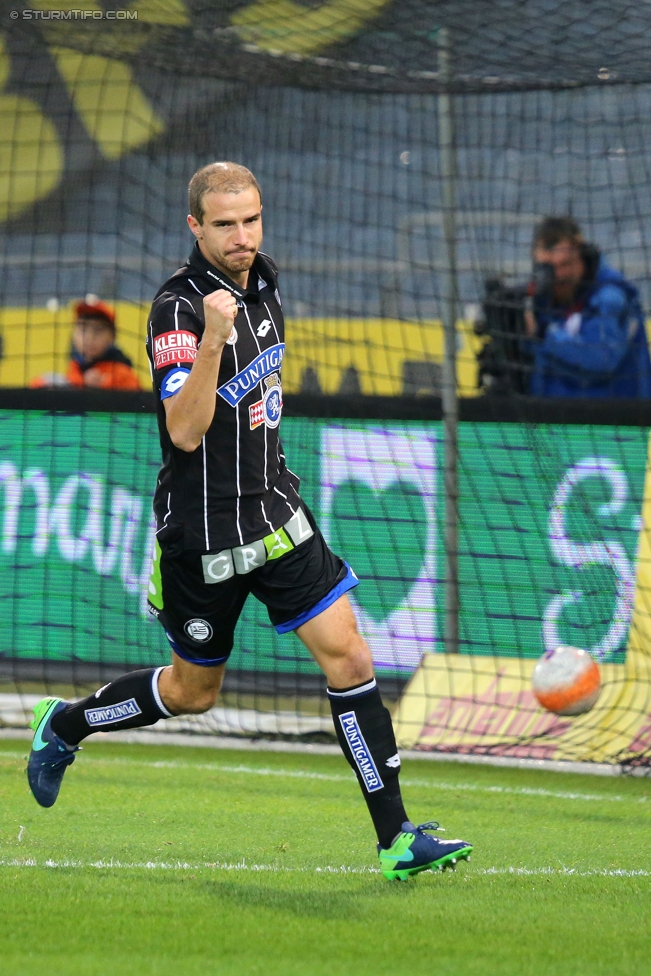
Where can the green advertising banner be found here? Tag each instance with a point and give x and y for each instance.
(550, 518)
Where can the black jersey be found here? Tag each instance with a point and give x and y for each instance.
(235, 487)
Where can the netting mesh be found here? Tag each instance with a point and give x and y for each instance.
(337, 108)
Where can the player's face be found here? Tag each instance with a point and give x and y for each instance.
(231, 232)
(568, 266)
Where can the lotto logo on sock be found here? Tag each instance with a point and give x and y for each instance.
(361, 752)
(112, 713)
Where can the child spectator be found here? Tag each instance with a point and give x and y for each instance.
(95, 360)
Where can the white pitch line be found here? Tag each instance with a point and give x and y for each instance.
(113, 865)
(240, 769)
(524, 791)
(570, 872)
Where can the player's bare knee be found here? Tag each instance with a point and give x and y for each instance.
(201, 701)
(189, 698)
(191, 701)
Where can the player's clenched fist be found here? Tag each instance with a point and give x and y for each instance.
(220, 309)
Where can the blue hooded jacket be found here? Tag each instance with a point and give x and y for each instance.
(597, 348)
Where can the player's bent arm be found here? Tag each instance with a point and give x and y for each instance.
(189, 413)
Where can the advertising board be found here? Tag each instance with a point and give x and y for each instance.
(550, 519)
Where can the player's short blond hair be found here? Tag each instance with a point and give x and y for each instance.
(222, 177)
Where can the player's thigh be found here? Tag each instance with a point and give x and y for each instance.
(301, 581)
(304, 591)
(332, 637)
(199, 618)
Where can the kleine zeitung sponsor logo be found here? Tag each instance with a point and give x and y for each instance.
(175, 347)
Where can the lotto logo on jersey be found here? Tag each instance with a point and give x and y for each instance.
(174, 347)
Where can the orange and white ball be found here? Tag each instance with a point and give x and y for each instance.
(566, 681)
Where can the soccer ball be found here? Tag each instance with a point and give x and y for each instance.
(566, 681)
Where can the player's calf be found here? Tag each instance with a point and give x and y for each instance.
(365, 733)
(130, 702)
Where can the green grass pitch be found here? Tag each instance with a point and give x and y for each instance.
(163, 860)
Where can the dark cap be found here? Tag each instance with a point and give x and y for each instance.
(92, 307)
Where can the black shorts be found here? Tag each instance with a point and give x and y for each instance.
(198, 596)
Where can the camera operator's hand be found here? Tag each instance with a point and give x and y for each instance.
(540, 288)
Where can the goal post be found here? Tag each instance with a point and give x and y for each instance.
(405, 153)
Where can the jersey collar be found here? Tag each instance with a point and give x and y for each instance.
(218, 279)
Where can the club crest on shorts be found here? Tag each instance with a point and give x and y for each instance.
(198, 629)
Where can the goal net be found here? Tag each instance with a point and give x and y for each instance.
(406, 151)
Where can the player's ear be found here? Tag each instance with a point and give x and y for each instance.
(195, 226)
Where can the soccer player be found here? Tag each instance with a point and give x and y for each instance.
(231, 522)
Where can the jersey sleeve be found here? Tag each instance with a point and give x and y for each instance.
(174, 333)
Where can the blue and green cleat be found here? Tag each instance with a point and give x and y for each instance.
(50, 756)
(414, 851)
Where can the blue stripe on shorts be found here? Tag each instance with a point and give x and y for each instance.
(347, 583)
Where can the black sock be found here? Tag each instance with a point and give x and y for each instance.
(130, 702)
(365, 733)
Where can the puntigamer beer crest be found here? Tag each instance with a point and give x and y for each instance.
(272, 401)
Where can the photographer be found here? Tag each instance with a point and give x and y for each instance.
(584, 320)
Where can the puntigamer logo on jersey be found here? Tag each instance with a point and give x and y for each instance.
(174, 347)
(243, 382)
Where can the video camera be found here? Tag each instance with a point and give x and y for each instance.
(505, 361)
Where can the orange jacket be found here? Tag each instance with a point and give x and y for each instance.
(114, 375)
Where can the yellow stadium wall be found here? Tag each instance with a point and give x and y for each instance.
(37, 341)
